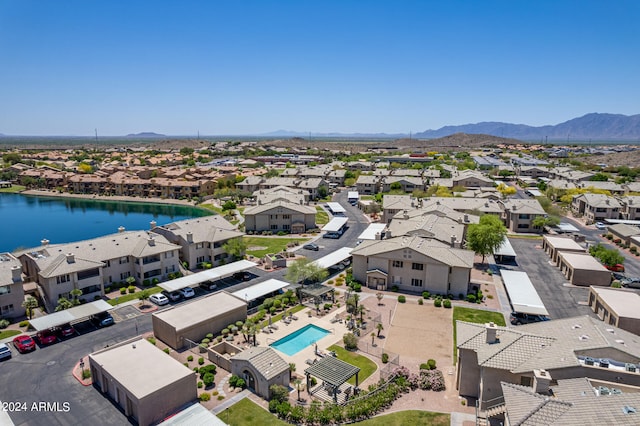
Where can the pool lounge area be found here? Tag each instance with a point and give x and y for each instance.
(294, 342)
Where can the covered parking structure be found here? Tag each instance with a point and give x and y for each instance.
(336, 209)
(333, 373)
(334, 258)
(214, 274)
(373, 232)
(258, 291)
(522, 294)
(584, 270)
(505, 253)
(337, 225)
(75, 314)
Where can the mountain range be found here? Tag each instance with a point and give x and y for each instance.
(594, 126)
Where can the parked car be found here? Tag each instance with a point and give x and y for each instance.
(5, 352)
(633, 282)
(65, 330)
(518, 318)
(187, 292)
(615, 268)
(159, 299)
(600, 225)
(242, 276)
(46, 337)
(618, 276)
(173, 296)
(24, 343)
(332, 235)
(209, 285)
(103, 319)
(311, 246)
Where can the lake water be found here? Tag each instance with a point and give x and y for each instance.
(26, 220)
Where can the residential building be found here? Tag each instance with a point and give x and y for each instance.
(261, 367)
(406, 184)
(250, 183)
(280, 216)
(202, 239)
(630, 207)
(439, 228)
(534, 172)
(11, 287)
(616, 306)
(367, 184)
(90, 265)
(564, 348)
(623, 232)
(471, 179)
(393, 204)
(297, 196)
(413, 264)
(519, 214)
(596, 207)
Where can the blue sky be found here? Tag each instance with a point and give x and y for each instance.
(242, 67)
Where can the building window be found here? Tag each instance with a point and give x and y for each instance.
(523, 226)
(83, 275)
(417, 266)
(5, 289)
(285, 227)
(273, 227)
(63, 279)
(200, 259)
(523, 216)
(124, 260)
(169, 255)
(108, 263)
(397, 264)
(125, 275)
(415, 282)
(7, 309)
(286, 216)
(91, 289)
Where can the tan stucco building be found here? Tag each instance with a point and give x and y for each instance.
(147, 384)
(583, 269)
(11, 287)
(260, 367)
(193, 321)
(553, 246)
(616, 306)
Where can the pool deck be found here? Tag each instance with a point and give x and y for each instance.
(337, 331)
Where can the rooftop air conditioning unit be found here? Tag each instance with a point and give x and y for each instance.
(604, 363)
(630, 367)
(589, 361)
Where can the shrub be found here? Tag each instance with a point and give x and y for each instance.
(208, 379)
(155, 281)
(279, 393)
(313, 381)
(402, 299)
(152, 340)
(209, 336)
(446, 303)
(195, 369)
(23, 323)
(633, 249)
(207, 369)
(239, 324)
(146, 282)
(225, 331)
(200, 384)
(357, 287)
(205, 341)
(186, 364)
(431, 363)
(394, 288)
(461, 296)
(214, 393)
(200, 361)
(241, 383)
(385, 358)
(426, 294)
(330, 282)
(123, 290)
(86, 374)
(350, 341)
(437, 303)
(131, 289)
(190, 358)
(327, 306)
(420, 302)
(166, 350)
(220, 397)
(616, 284)
(471, 298)
(233, 381)
(204, 396)
(424, 366)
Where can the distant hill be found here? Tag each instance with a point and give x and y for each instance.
(291, 134)
(455, 141)
(145, 135)
(591, 126)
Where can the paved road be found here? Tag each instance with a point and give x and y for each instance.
(45, 375)
(561, 299)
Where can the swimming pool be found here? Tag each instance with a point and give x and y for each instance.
(298, 340)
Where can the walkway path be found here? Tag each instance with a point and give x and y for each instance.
(229, 402)
(221, 384)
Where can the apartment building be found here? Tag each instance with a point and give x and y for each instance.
(596, 207)
(11, 287)
(519, 214)
(280, 216)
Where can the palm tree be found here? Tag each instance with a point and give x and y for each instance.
(30, 304)
(75, 293)
(299, 387)
(292, 369)
(361, 310)
(380, 327)
(142, 296)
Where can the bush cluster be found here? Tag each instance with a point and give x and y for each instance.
(402, 299)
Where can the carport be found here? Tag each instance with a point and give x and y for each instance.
(70, 315)
(214, 274)
(522, 294)
(505, 253)
(373, 232)
(334, 258)
(336, 209)
(260, 290)
(336, 224)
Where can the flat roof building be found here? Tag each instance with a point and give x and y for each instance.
(142, 380)
(193, 321)
(554, 245)
(617, 307)
(583, 269)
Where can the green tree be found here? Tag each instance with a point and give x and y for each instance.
(542, 221)
(599, 177)
(235, 247)
(144, 296)
(272, 173)
(485, 237)
(609, 257)
(186, 151)
(303, 270)
(30, 304)
(63, 303)
(229, 205)
(323, 191)
(395, 186)
(75, 293)
(11, 158)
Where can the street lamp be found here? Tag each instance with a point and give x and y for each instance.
(82, 366)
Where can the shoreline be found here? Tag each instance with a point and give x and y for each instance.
(44, 193)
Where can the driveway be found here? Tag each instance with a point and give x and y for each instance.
(561, 299)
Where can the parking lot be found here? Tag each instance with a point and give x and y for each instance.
(561, 299)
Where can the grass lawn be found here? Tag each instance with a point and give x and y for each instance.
(14, 188)
(473, 315)
(409, 417)
(367, 367)
(132, 296)
(366, 197)
(526, 237)
(9, 333)
(322, 217)
(248, 413)
(265, 245)
(212, 208)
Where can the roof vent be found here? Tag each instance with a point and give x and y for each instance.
(584, 337)
(611, 330)
(574, 326)
(627, 409)
(620, 341)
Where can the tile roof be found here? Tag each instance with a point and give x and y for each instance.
(265, 360)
